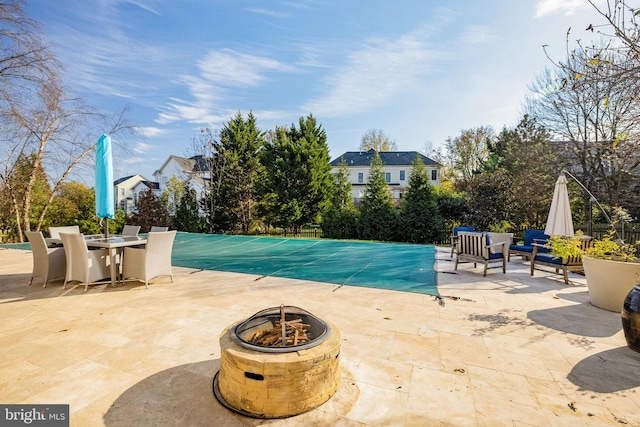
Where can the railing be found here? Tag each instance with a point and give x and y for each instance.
(315, 233)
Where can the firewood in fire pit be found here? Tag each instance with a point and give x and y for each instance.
(295, 334)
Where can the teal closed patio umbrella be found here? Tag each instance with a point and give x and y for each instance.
(104, 181)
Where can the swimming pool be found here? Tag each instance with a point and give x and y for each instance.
(395, 266)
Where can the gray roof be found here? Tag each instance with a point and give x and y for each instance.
(389, 158)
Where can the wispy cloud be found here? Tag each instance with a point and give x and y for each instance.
(376, 72)
(150, 132)
(230, 68)
(475, 34)
(223, 75)
(267, 12)
(142, 147)
(568, 7)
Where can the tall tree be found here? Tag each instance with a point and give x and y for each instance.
(466, 154)
(375, 139)
(528, 156)
(340, 218)
(25, 61)
(378, 213)
(297, 174)
(597, 121)
(38, 117)
(419, 220)
(619, 29)
(241, 140)
(187, 215)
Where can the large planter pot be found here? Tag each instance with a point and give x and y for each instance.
(609, 282)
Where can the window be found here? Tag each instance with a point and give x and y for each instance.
(401, 175)
(122, 191)
(387, 177)
(434, 174)
(360, 177)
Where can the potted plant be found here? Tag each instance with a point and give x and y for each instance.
(610, 267)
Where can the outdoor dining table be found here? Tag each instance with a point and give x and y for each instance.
(113, 243)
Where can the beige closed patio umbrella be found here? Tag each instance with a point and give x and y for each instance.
(559, 222)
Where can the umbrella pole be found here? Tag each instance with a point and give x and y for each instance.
(106, 227)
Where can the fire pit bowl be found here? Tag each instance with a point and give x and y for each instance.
(262, 378)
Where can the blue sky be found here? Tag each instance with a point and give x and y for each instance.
(420, 70)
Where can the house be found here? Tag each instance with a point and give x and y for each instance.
(143, 186)
(194, 170)
(123, 192)
(396, 166)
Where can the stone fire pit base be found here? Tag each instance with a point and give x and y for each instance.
(277, 385)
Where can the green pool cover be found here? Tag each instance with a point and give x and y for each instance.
(394, 266)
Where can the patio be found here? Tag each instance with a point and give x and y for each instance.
(512, 350)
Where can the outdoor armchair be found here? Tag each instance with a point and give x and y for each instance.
(454, 236)
(54, 232)
(525, 249)
(84, 265)
(151, 261)
(48, 263)
(130, 230)
(573, 263)
(476, 248)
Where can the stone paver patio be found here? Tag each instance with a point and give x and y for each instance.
(510, 350)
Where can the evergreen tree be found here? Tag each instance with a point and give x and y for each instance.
(240, 142)
(297, 175)
(419, 220)
(150, 211)
(340, 218)
(187, 217)
(378, 215)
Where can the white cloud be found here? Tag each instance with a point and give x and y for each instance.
(375, 73)
(142, 148)
(569, 7)
(150, 132)
(267, 12)
(223, 74)
(229, 68)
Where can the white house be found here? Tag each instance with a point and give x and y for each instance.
(396, 166)
(143, 186)
(123, 192)
(193, 170)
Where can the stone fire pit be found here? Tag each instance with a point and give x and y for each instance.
(263, 378)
